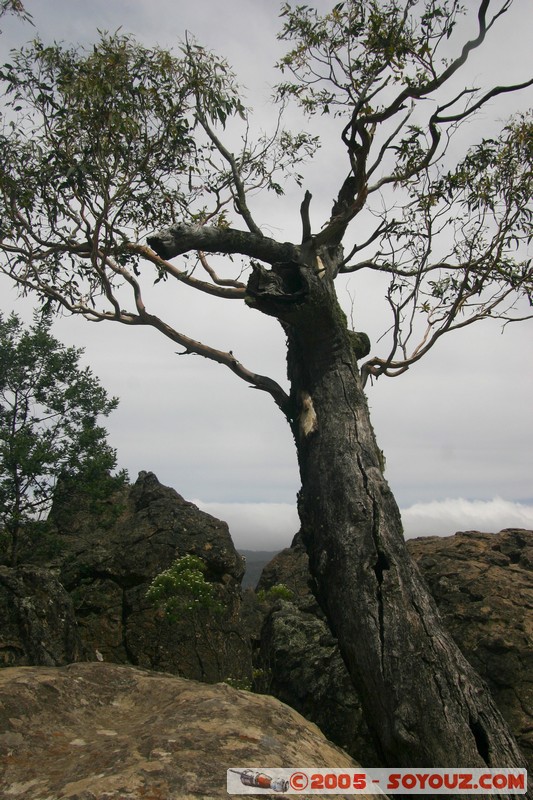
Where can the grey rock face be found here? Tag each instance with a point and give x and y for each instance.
(298, 660)
(483, 585)
(107, 561)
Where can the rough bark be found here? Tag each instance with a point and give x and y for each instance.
(424, 703)
(180, 239)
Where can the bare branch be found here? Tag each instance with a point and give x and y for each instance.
(383, 228)
(240, 198)
(33, 279)
(304, 213)
(261, 382)
(230, 291)
(417, 92)
(215, 278)
(437, 327)
(181, 239)
(417, 167)
(387, 143)
(351, 199)
(476, 106)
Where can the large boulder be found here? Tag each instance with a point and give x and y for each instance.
(107, 569)
(92, 731)
(483, 586)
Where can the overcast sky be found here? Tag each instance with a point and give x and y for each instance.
(456, 429)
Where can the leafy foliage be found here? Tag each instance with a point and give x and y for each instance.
(49, 432)
(183, 589)
(347, 57)
(459, 252)
(126, 137)
(116, 144)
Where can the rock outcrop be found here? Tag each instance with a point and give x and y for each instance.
(299, 663)
(483, 586)
(90, 604)
(93, 731)
(105, 565)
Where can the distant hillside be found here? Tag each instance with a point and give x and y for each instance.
(255, 561)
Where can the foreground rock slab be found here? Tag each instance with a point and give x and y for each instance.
(99, 731)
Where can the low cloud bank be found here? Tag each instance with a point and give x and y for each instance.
(446, 517)
(271, 526)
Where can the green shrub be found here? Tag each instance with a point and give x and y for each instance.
(183, 589)
(277, 592)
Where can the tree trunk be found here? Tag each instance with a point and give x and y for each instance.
(14, 534)
(423, 702)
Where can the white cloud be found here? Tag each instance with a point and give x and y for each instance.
(446, 517)
(271, 526)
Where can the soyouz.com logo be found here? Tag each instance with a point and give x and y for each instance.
(252, 780)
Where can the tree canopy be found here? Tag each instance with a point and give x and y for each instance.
(137, 140)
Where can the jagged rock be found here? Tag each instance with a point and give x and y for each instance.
(483, 587)
(94, 731)
(152, 525)
(38, 620)
(108, 561)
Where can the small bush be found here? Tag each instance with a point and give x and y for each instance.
(277, 592)
(183, 589)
